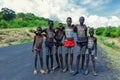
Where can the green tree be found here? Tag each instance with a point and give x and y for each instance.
(8, 14)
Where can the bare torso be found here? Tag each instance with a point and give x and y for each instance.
(59, 36)
(49, 35)
(81, 33)
(38, 42)
(91, 42)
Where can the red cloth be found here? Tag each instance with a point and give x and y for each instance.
(69, 43)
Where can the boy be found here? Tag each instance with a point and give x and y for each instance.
(81, 31)
(49, 43)
(37, 47)
(69, 44)
(58, 46)
(92, 51)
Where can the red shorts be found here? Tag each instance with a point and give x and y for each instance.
(69, 43)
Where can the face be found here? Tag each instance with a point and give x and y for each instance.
(50, 24)
(91, 32)
(81, 20)
(60, 26)
(69, 21)
(39, 30)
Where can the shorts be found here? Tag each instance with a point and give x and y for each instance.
(49, 44)
(81, 44)
(58, 43)
(90, 51)
(69, 43)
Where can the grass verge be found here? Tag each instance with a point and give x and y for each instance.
(112, 53)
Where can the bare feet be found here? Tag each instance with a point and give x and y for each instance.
(35, 72)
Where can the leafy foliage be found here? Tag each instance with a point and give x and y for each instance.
(108, 31)
(8, 19)
(8, 14)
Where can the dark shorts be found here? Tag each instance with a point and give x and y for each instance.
(58, 43)
(49, 44)
(81, 44)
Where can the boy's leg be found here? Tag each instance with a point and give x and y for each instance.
(71, 58)
(77, 61)
(66, 59)
(83, 58)
(51, 57)
(93, 62)
(57, 58)
(87, 63)
(35, 63)
(60, 57)
(41, 59)
(41, 62)
(47, 59)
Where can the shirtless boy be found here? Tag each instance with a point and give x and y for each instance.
(37, 49)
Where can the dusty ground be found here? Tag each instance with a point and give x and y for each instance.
(15, 36)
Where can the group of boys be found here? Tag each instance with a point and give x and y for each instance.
(86, 46)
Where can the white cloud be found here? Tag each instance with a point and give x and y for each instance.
(60, 10)
(99, 21)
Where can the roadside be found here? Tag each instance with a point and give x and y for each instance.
(15, 36)
(111, 51)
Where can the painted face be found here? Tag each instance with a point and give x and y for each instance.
(69, 21)
(60, 26)
(81, 20)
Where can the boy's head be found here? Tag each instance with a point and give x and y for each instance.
(81, 20)
(39, 30)
(69, 21)
(60, 25)
(50, 23)
(91, 31)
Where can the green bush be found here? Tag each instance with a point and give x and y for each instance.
(100, 31)
(109, 44)
(4, 24)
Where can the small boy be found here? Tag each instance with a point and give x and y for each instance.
(37, 47)
(58, 46)
(92, 50)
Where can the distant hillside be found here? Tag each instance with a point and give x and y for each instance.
(9, 19)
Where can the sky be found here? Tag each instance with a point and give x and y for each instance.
(97, 13)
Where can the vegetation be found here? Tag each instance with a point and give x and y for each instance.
(9, 19)
(108, 31)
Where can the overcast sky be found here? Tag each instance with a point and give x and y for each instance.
(96, 12)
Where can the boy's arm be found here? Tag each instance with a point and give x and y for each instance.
(75, 28)
(95, 46)
(44, 30)
(33, 45)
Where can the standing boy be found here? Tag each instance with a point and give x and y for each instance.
(69, 44)
(81, 30)
(49, 43)
(58, 46)
(92, 51)
(37, 47)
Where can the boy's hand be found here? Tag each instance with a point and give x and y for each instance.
(32, 50)
(96, 58)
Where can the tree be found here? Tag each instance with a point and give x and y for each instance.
(8, 14)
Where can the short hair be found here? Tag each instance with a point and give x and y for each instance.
(91, 29)
(81, 17)
(69, 18)
(50, 21)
